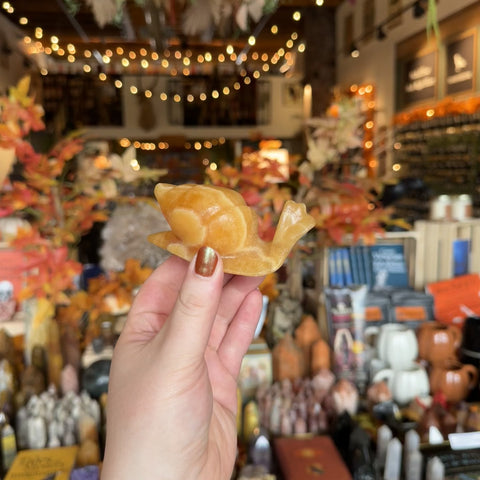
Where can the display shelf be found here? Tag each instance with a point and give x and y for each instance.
(436, 258)
(412, 242)
(444, 152)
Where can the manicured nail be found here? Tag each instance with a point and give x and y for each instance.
(206, 262)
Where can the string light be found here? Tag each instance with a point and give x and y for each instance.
(7, 7)
(164, 145)
(109, 54)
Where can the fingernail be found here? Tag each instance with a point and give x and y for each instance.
(206, 262)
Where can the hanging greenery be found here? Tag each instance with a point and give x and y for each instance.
(196, 17)
(432, 20)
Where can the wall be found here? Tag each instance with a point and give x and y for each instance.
(376, 63)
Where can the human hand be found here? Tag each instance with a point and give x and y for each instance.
(172, 400)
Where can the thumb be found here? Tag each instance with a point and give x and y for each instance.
(192, 317)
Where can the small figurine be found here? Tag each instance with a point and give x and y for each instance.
(204, 215)
(37, 428)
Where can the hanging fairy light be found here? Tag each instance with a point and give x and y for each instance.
(125, 59)
(164, 145)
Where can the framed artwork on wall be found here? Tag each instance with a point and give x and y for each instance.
(461, 63)
(417, 79)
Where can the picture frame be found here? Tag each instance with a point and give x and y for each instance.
(256, 369)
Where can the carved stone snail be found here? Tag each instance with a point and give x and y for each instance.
(204, 215)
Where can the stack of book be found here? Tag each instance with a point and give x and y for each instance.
(378, 266)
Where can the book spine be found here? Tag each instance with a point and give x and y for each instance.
(367, 265)
(334, 269)
(354, 266)
(347, 268)
(339, 267)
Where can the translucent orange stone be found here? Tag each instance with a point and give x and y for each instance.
(204, 215)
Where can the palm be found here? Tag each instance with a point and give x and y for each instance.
(196, 388)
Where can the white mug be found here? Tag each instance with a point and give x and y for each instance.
(397, 345)
(405, 384)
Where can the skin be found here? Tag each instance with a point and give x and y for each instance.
(172, 402)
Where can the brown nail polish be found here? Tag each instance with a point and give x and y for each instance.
(206, 261)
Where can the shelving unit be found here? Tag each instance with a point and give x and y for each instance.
(435, 257)
(413, 243)
(445, 153)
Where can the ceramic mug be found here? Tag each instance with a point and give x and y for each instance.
(438, 342)
(397, 345)
(405, 384)
(454, 380)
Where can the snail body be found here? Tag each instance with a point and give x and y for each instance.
(201, 215)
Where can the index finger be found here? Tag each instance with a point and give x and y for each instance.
(156, 297)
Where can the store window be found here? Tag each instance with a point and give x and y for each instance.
(217, 101)
(74, 101)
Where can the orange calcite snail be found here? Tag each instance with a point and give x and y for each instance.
(204, 215)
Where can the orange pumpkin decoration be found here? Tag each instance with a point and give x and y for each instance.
(321, 356)
(306, 334)
(287, 359)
